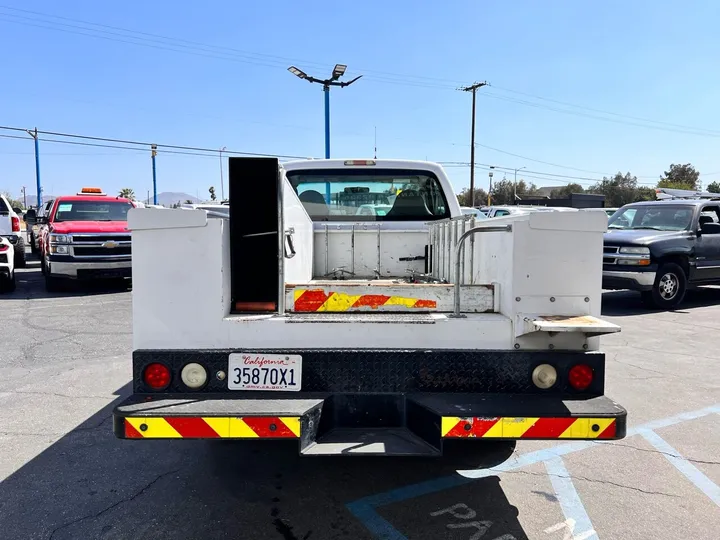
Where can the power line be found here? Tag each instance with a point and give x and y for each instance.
(140, 143)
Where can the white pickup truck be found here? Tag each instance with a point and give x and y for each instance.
(10, 229)
(298, 318)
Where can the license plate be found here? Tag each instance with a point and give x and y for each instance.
(257, 371)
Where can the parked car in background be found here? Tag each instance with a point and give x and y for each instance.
(7, 265)
(10, 229)
(661, 248)
(34, 219)
(466, 210)
(499, 211)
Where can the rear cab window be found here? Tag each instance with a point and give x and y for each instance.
(377, 195)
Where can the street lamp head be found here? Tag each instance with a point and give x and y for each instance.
(339, 71)
(297, 72)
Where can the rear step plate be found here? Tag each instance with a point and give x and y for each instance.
(370, 442)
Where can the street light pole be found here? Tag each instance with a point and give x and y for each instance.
(472, 88)
(34, 135)
(515, 185)
(222, 189)
(338, 71)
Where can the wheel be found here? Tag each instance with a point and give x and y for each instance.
(52, 284)
(20, 261)
(33, 248)
(669, 288)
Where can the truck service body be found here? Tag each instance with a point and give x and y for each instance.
(85, 236)
(386, 334)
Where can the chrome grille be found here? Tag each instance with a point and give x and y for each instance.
(100, 245)
(610, 254)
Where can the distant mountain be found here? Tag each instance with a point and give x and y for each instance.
(168, 198)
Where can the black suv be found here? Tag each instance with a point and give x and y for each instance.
(661, 248)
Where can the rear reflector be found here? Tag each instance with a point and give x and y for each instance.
(360, 162)
(263, 307)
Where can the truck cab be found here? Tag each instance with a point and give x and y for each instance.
(85, 236)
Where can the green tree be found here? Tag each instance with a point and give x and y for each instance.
(188, 201)
(212, 193)
(713, 187)
(621, 189)
(480, 197)
(564, 192)
(127, 193)
(680, 177)
(14, 203)
(503, 191)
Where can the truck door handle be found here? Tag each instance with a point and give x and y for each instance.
(289, 246)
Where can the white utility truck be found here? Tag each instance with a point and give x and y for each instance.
(365, 333)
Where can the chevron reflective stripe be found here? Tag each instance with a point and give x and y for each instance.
(212, 427)
(311, 300)
(529, 428)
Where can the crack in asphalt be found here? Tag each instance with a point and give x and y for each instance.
(593, 481)
(663, 373)
(113, 505)
(56, 394)
(653, 451)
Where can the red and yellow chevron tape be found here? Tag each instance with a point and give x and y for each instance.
(210, 427)
(529, 428)
(311, 300)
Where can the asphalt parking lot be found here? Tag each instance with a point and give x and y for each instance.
(65, 362)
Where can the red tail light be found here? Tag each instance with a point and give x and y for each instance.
(15, 224)
(4, 247)
(157, 376)
(580, 376)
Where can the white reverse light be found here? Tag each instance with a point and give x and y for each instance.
(544, 376)
(193, 375)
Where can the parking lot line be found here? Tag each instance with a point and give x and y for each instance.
(569, 500)
(691, 472)
(364, 509)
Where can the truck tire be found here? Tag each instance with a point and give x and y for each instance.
(669, 288)
(20, 261)
(33, 248)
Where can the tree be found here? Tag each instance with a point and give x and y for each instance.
(564, 192)
(503, 191)
(480, 196)
(127, 193)
(680, 177)
(188, 201)
(14, 203)
(621, 189)
(713, 187)
(212, 193)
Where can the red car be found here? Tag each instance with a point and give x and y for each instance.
(85, 236)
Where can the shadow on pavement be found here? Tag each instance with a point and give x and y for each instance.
(89, 484)
(31, 284)
(628, 303)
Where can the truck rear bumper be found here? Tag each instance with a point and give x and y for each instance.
(366, 424)
(91, 269)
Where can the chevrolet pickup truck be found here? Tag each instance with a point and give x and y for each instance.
(662, 248)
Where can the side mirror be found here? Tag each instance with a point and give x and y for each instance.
(710, 228)
(30, 216)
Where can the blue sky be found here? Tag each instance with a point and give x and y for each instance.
(653, 60)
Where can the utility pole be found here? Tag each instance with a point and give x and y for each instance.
(153, 150)
(515, 185)
(222, 189)
(34, 135)
(490, 174)
(338, 71)
(24, 197)
(472, 88)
